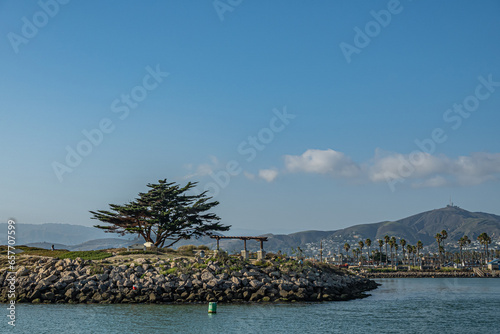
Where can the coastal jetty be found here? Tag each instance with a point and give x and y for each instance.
(428, 274)
(180, 280)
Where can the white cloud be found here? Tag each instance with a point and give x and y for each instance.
(268, 174)
(396, 165)
(203, 169)
(322, 162)
(425, 170)
(478, 168)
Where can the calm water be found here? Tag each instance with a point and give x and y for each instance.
(444, 305)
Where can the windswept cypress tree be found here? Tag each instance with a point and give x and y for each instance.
(163, 215)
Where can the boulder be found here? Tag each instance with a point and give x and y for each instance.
(255, 284)
(22, 271)
(207, 276)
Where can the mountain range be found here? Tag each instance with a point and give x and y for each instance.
(423, 226)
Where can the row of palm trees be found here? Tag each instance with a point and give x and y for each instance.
(484, 240)
(413, 250)
(388, 242)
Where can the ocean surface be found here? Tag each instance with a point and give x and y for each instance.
(420, 305)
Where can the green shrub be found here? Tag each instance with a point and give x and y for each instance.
(171, 271)
(46, 252)
(86, 255)
(96, 269)
(271, 256)
(222, 257)
(136, 252)
(186, 248)
(262, 263)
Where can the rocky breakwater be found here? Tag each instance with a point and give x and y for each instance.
(181, 280)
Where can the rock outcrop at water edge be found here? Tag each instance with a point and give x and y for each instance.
(183, 280)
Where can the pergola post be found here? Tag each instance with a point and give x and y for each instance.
(244, 253)
(261, 254)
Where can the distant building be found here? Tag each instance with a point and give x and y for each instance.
(493, 265)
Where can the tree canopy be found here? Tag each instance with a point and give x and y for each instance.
(165, 214)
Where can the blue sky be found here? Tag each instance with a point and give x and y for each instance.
(295, 115)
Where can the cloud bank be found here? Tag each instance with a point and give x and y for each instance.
(422, 169)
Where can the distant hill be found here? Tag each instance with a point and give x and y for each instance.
(47, 245)
(424, 226)
(54, 233)
(88, 245)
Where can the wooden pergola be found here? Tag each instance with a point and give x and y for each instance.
(261, 239)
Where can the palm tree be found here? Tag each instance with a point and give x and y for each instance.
(396, 251)
(403, 243)
(392, 243)
(355, 252)
(346, 247)
(485, 240)
(409, 248)
(386, 239)
(420, 245)
(380, 245)
(461, 243)
(480, 238)
(439, 237)
(368, 243)
(415, 250)
(361, 245)
(444, 236)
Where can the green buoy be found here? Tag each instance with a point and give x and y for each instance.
(212, 307)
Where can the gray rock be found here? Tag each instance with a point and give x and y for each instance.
(236, 281)
(70, 293)
(207, 276)
(48, 296)
(22, 271)
(52, 278)
(255, 283)
(275, 274)
(102, 277)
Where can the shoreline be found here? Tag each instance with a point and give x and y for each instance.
(425, 274)
(180, 281)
